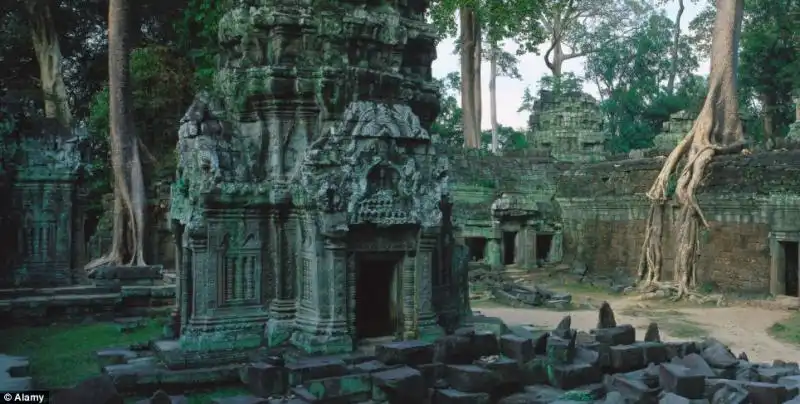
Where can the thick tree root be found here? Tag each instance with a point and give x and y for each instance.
(696, 150)
(670, 290)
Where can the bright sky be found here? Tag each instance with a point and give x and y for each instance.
(532, 67)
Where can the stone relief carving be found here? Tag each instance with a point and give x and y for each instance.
(377, 166)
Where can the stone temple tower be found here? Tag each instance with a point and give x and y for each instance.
(310, 199)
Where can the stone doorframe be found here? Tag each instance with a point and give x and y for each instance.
(402, 294)
(777, 267)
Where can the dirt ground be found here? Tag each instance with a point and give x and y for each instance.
(744, 329)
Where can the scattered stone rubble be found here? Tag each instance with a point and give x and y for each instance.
(488, 283)
(476, 366)
(514, 295)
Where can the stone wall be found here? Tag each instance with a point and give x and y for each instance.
(752, 203)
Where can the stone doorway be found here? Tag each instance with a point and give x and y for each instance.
(376, 298)
(543, 244)
(509, 247)
(791, 266)
(477, 247)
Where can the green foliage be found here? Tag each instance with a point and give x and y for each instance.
(632, 74)
(499, 19)
(566, 83)
(197, 36)
(448, 123)
(508, 139)
(162, 90)
(63, 355)
(769, 66)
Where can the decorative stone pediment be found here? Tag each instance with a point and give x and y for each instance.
(377, 166)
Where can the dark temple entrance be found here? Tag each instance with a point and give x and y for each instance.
(791, 267)
(375, 298)
(477, 246)
(509, 247)
(543, 243)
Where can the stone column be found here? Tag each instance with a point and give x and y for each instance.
(281, 309)
(556, 253)
(494, 253)
(529, 247)
(428, 327)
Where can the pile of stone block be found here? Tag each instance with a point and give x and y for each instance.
(475, 366)
(605, 365)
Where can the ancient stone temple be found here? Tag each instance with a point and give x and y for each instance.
(310, 199)
(48, 218)
(569, 125)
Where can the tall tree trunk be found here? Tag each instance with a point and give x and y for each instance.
(48, 53)
(476, 78)
(716, 130)
(676, 43)
(768, 104)
(554, 57)
(127, 243)
(468, 69)
(493, 95)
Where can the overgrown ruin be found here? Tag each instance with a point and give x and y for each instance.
(323, 235)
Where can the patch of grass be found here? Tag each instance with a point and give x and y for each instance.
(672, 322)
(683, 329)
(787, 330)
(62, 355)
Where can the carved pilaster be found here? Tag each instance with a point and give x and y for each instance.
(185, 289)
(351, 293)
(282, 309)
(336, 252)
(426, 317)
(409, 294)
(200, 262)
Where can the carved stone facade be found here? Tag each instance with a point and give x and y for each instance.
(45, 203)
(570, 126)
(309, 198)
